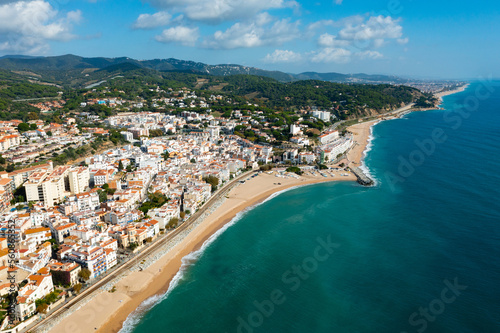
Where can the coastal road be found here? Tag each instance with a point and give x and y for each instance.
(157, 245)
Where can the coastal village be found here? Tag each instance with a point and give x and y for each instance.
(78, 221)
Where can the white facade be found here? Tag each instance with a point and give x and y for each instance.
(322, 115)
(79, 179)
(328, 137)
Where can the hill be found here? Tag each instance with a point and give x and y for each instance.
(75, 66)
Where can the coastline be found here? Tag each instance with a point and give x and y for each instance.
(441, 94)
(139, 290)
(107, 312)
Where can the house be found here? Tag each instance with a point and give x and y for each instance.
(39, 285)
(65, 274)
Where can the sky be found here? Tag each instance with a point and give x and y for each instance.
(417, 38)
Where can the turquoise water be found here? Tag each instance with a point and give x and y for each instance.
(419, 252)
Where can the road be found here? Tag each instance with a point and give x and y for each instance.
(37, 99)
(142, 255)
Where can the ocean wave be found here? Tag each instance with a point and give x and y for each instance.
(368, 148)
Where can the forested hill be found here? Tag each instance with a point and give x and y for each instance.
(133, 84)
(78, 70)
(356, 99)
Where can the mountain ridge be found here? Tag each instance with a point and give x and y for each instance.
(73, 62)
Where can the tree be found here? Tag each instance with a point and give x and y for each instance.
(212, 180)
(77, 287)
(129, 168)
(166, 155)
(295, 170)
(182, 215)
(103, 196)
(2, 160)
(23, 127)
(32, 116)
(84, 274)
(42, 308)
(173, 222)
(33, 127)
(120, 166)
(49, 133)
(193, 160)
(11, 167)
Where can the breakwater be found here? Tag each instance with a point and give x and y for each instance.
(363, 179)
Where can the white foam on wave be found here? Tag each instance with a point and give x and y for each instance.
(135, 317)
(368, 148)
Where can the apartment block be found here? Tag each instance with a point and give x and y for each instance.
(79, 179)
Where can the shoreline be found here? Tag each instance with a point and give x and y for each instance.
(137, 291)
(441, 94)
(233, 206)
(110, 311)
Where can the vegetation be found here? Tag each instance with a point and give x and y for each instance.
(212, 180)
(103, 196)
(77, 287)
(173, 223)
(155, 133)
(295, 170)
(155, 200)
(426, 101)
(42, 304)
(266, 167)
(84, 274)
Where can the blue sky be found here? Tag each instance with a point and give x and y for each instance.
(431, 39)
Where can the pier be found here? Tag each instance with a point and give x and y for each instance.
(363, 179)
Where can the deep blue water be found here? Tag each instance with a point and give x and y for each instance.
(419, 252)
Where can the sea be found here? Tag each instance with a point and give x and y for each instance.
(417, 252)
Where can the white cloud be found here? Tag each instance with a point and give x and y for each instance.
(148, 21)
(27, 26)
(183, 35)
(258, 33)
(403, 41)
(327, 40)
(282, 56)
(221, 10)
(369, 55)
(338, 2)
(377, 27)
(350, 20)
(358, 35)
(327, 55)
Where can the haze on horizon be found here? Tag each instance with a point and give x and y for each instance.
(442, 39)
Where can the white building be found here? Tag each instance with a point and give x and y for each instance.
(328, 137)
(295, 129)
(332, 150)
(39, 285)
(91, 257)
(46, 186)
(322, 115)
(79, 179)
(306, 157)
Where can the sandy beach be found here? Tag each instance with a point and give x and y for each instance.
(361, 133)
(107, 311)
(451, 92)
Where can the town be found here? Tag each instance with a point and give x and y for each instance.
(78, 218)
